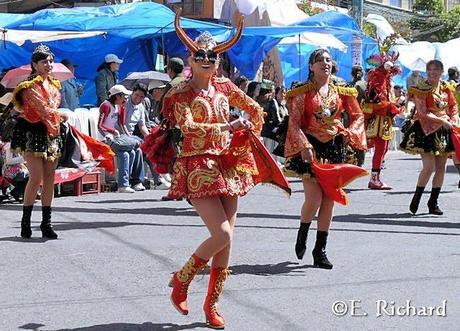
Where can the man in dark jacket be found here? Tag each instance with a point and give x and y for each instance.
(107, 77)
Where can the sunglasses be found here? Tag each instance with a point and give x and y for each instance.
(201, 54)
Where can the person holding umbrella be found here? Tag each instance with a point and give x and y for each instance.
(37, 136)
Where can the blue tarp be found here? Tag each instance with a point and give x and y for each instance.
(131, 31)
(135, 31)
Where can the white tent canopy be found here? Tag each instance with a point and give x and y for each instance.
(19, 37)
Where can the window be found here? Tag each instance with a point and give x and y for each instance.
(189, 7)
(395, 3)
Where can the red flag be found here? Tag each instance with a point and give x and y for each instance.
(101, 152)
(333, 177)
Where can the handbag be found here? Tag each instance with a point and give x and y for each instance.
(124, 143)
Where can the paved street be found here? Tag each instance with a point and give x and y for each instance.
(110, 268)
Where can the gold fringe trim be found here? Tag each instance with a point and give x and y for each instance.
(446, 85)
(43, 155)
(419, 151)
(425, 88)
(310, 86)
(348, 91)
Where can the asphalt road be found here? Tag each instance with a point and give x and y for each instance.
(110, 267)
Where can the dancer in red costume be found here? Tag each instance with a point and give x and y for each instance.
(210, 171)
(431, 135)
(379, 109)
(316, 134)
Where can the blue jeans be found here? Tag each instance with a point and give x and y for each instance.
(130, 167)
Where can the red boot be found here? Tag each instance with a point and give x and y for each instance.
(181, 281)
(216, 284)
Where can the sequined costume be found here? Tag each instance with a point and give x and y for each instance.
(38, 130)
(200, 169)
(379, 108)
(315, 122)
(426, 135)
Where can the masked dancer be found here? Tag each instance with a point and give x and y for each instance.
(209, 171)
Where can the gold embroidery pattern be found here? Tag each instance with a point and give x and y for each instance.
(201, 110)
(386, 128)
(222, 108)
(178, 171)
(201, 177)
(233, 181)
(218, 288)
(197, 143)
(187, 272)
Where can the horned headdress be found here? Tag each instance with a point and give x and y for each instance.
(219, 48)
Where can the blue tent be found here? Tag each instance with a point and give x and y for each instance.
(294, 57)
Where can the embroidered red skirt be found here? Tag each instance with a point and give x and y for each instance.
(202, 176)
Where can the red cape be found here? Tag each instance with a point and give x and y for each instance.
(333, 177)
(267, 171)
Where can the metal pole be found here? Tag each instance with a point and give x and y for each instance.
(357, 11)
(300, 61)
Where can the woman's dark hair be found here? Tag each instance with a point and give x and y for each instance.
(41, 52)
(141, 87)
(314, 58)
(436, 63)
(261, 97)
(113, 98)
(103, 65)
(278, 89)
(251, 88)
(240, 80)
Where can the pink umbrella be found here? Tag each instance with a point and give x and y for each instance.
(17, 75)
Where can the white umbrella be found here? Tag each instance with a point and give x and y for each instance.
(149, 78)
(314, 38)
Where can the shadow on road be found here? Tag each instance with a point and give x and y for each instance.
(283, 268)
(147, 326)
(33, 240)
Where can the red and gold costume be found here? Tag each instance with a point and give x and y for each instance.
(318, 117)
(200, 170)
(37, 131)
(379, 110)
(427, 135)
(212, 162)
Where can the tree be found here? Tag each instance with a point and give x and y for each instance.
(428, 7)
(432, 23)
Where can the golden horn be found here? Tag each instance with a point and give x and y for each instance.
(188, 42)
(228, 44)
